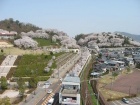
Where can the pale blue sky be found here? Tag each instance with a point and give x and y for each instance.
(76, 16)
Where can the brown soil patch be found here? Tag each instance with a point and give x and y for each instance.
(129, 84)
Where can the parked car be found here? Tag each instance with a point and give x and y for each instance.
(49, 91)
(125, 100)
(47, 83)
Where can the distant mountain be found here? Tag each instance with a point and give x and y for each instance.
(133, 36)
(15, 25)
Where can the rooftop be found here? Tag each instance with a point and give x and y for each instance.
(74, 79)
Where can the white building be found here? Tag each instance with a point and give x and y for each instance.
(6, 36)
(70, 91)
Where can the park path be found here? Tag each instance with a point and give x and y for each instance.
(7, 64)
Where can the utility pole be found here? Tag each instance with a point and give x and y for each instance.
(98, 98)
(86, 96)
(129, 90)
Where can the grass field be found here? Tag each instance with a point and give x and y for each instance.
(17, 51)
(30, 65)
(46, 42)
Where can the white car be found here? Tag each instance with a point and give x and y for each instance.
(125, 100)
(50, 102)
(49, 91)
(47, 83)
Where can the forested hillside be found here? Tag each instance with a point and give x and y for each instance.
(15, 25)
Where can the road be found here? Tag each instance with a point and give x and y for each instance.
(41, 97)
(56, 88)
(132, 101)
(62, 73)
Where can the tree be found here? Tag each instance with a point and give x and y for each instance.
(77, 37)
(51, 53)
(100, 55)
(1, 50)
(114, 74)
(98, 41)
(21, 86)
(126, 41)
(33, 82)
(5, 101)
(3, 83)
(138, 65)
(110, 37)
(128, 69)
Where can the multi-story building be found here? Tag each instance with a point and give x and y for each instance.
(70, 91)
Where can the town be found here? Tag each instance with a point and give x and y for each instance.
(69, 52)
(33, 73)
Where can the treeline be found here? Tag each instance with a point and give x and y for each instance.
(16, 25)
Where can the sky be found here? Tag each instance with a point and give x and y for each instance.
(76, 16)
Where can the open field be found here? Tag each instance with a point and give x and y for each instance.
(122, 86)
(17, 51)
(30, 65)
(129, 84)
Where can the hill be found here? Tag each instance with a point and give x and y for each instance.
(15, 25)
(105, 39)
(133, 36)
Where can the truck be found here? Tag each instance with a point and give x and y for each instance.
(50, 102)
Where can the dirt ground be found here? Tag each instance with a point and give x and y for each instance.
(129, 84)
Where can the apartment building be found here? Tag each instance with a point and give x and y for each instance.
(70, 91)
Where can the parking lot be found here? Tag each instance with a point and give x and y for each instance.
(132, 101)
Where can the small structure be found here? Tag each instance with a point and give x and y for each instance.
(7, 35)
(70, 91)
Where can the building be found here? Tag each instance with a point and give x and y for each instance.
(70, 91)
(7, 35)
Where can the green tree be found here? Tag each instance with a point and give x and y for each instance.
(126, 41)
(5, 101)
(128, 69)
(1, 50)
(98, 41)
(33, 82)
(51, 53)
(21, 86)
(114, 74)
(3, 83)
(77, 37)
(110, 37)
(100, 55)
(138, 65)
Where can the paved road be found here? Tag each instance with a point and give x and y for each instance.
(45, 99)
(132, 101)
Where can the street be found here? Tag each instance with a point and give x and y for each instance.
(132, 101)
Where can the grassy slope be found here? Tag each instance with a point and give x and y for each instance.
(30, 65)
(46, 42)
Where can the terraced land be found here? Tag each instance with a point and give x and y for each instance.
(30, 65)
